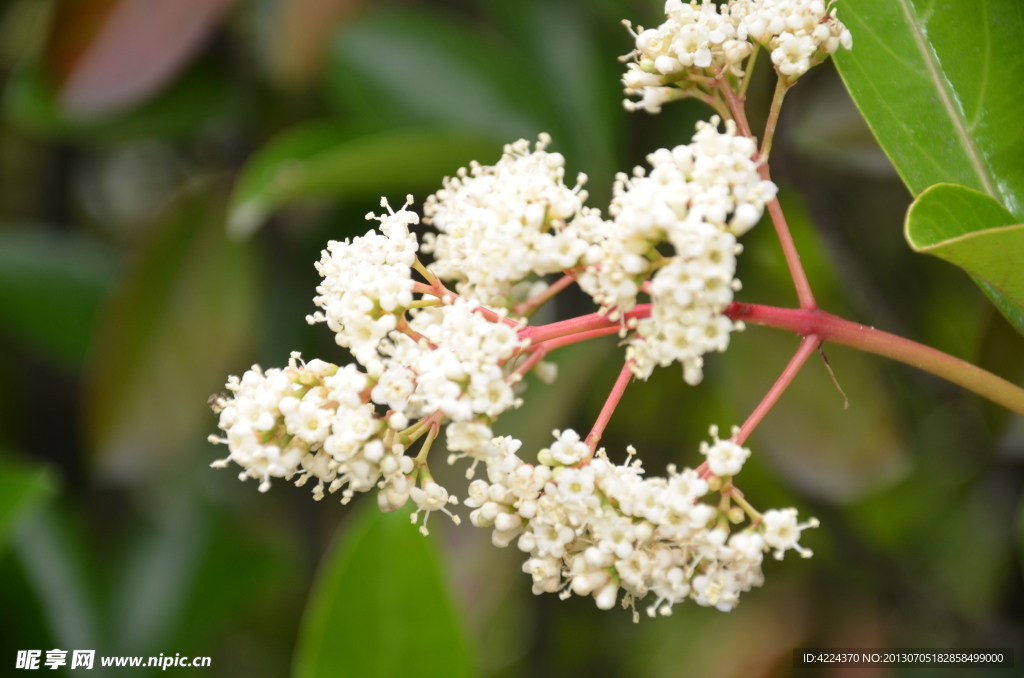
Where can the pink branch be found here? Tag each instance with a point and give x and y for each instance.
(574, 338)
(836, 330)
(830, 329)
(583, 323)
(609, 407)
(443, 293)
(542, 298)
(796, 269)
(808, 346)
(531, 362)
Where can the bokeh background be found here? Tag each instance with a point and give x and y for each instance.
(169, 171)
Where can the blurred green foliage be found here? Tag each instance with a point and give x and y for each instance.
(125, 300)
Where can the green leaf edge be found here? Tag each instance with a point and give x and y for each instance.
(1012, 311)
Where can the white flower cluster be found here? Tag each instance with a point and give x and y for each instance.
(697, 198)
(446, 358)
(350, 428)
(367, 283)
(705, 40)
(313, 420)
(592, 527)
(498, 224)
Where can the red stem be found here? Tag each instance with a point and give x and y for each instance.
(808, 346)
(609, 406)
(441, 292)
(573, 338)
(542, 298)
(836, 330)
(531, 362)
(831, 329)
(796, 269)
(583, 323)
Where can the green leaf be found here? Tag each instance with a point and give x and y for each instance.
(414, 66)
(22, 486)
(200, 97)
(939, 86)
(182, 319)
(322, 159)
(379, 607)
(54, 562)
(973, 231)
(51, 286)
(151, 591)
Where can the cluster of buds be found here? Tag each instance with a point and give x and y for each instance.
(595, 528)
(701, 42)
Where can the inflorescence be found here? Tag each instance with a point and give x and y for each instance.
(427, 357)
(699, 42)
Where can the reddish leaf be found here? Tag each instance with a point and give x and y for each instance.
(108, 55)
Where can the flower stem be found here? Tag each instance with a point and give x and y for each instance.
(808, 346)
(535, 357)
(573, 338)
(749, 71)
(583, 323)
(735, 103)
(443, 293)
(796, 269)
(527, 307)
(833, 329)
(426, 273)
(737, 496)
(404, 328)
(781, 87)
(421, 458)
(830, 329)
(594, 437)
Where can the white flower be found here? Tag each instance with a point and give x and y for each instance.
(498, 224)
(365, 281)
(725, 458)
(431, 497)
(568, 449)
(782, 532)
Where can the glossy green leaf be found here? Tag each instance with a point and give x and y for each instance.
(51, 286)
(22, 486)
(325, 160)
(184, 316)
(201, 97)
(973, 231)
(939, 85)
(380, 608)
(415, 66)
